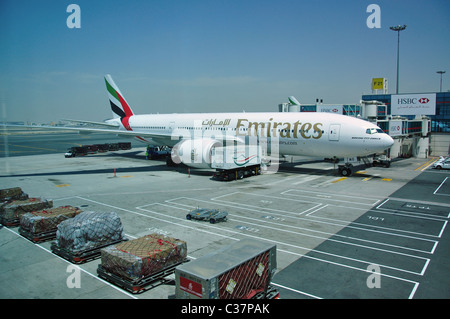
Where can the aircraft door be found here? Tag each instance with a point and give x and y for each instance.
(334, 132)
(171, 127)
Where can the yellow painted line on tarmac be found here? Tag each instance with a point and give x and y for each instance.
(339, 180)
(126, 176)
(367, 179)
(427, 164)
(62, 185)
(387, 179)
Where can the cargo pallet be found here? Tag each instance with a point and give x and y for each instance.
(37, 237)
(142, 284)
(80, 256)
(11, 222)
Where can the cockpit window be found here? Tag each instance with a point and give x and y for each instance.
(374, 130)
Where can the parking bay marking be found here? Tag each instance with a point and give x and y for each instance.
(365, 201)
(327, 235)
(261, 238)
(354, 225)
(415, 283)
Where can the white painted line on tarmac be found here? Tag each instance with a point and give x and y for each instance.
(258, 223)
(296, 291)
(437, 189)
(83, 270)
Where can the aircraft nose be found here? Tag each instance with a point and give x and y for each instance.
(389, 141)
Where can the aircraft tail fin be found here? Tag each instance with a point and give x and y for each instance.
(119, 106)
(293, 101)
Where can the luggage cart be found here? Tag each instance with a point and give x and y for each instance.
(211, 215)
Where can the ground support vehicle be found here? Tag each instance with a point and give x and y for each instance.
(155, 152)
(211, 215)
(113, 147)
(76, 151)
(240, 271)
(382, 160)
(102, 148)
(356, 163)
(125, 145)
(237, 173)
(93, 149)
(442, 163)
(233, 163)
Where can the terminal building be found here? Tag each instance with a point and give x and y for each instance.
(419, 123)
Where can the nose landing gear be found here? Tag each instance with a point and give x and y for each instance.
(345, 170)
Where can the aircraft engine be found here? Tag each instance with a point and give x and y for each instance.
(194, 153)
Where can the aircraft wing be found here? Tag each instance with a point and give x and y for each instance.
(88, 130)
(92, 123)
(120, 132)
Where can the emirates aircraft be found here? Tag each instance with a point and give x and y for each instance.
(295, 133)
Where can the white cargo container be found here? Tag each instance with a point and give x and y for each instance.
(236, 162)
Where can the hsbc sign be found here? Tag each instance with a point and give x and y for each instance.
(395, 128)
(337, 109)
(413, 104)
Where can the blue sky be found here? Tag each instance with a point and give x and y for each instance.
(212, 56)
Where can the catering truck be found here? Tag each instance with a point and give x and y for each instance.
(232, 163)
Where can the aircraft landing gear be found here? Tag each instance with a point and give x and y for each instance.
(345, 170)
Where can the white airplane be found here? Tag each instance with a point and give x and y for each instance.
(193, 135)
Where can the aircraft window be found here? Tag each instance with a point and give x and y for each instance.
(373, 130)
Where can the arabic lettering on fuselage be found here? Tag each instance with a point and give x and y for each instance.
(216, 122)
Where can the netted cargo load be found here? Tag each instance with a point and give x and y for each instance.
(89, 230)
(14, 193)
(11, 212)
(46, 220)
(144, 256)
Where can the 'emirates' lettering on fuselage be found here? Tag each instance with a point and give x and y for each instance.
(285, 129)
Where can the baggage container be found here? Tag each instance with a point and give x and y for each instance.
(137, 263)
(80, 239)
(11, 212)
(42, 225)
(240, 271)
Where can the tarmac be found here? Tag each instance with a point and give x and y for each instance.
(381, 233)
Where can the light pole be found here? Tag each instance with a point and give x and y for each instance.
(440, 72)
(398, 29)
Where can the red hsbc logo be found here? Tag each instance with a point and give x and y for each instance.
(424, 100)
